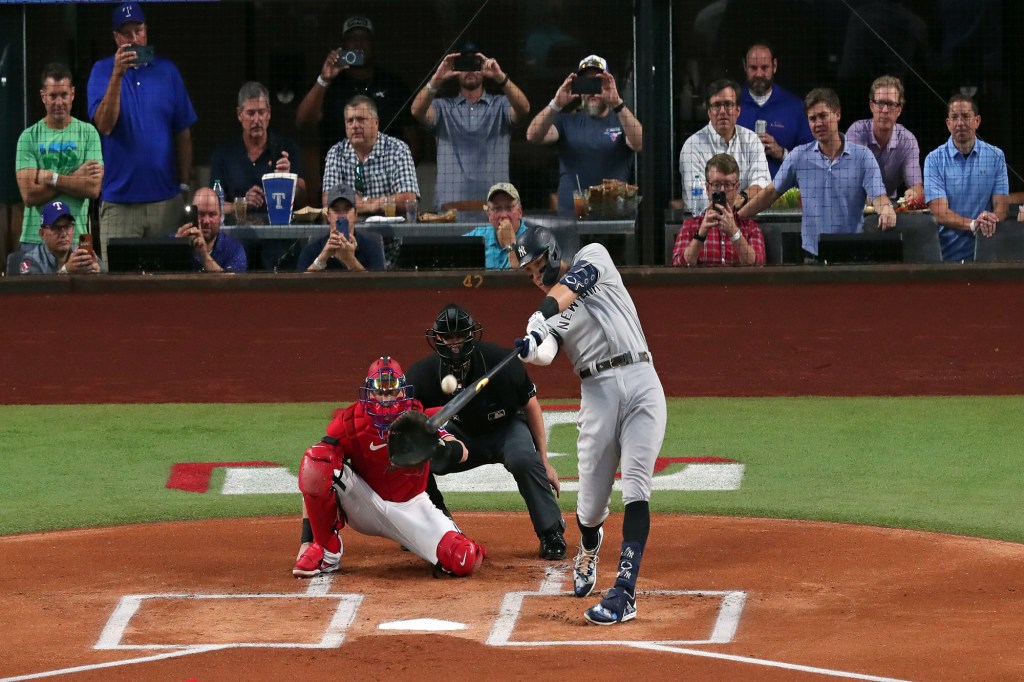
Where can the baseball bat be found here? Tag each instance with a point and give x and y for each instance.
(470, 392)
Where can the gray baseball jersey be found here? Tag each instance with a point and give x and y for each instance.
(622, 409)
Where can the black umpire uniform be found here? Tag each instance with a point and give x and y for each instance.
(495, 430)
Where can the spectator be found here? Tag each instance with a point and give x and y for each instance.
(241, 164)
(59, 158)
(965, 183)
(377, 165)
(721, 135)
(835, 178)
(212, 251)
(140, 107)
(355, 252)
(338, 82)
(596, 143)
(895, 148)
(55, 254)
(473, 128)
(503, 425)
(763, 100)
(719, 237)
(504, 209)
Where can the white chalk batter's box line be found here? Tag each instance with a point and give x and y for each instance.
(129, 605)
(722, 632)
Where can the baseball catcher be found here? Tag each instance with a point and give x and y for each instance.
(348, 479)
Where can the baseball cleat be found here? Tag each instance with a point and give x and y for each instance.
(552, 545)
(618, 606)
(316, 560)
(584, 568)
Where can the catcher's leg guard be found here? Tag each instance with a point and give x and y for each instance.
(458, 555)
(317, 485)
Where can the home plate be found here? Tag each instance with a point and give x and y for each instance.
(422, 625)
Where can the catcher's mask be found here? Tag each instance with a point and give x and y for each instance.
(385, 394)
(453, 337)
(536, 243)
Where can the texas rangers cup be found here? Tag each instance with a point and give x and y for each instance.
(279, 190)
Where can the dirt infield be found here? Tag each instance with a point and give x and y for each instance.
(794, 600)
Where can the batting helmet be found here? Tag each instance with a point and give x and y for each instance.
(536, 242)
(385, 394)
(453, 337)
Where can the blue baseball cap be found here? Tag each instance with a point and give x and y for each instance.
(126, 12)
(54, 211)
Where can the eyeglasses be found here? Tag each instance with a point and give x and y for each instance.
(360, 181)
(886, 104)
(960, 117)
(722, 106)
(502, 209)
(723, 186)
(62, 227)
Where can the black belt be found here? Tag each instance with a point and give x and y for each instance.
(617, 361)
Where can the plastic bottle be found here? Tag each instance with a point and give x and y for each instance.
(698, 202)
(219, 191)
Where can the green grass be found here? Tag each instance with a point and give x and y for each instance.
(945, 464)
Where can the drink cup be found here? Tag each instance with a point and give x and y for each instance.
(760, 126)
(412, 211)
(581, 204)
(279, 189)
(241, 209)
(390, 208)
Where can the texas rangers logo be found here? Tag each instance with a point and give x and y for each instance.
(613, 134)
(59, 205)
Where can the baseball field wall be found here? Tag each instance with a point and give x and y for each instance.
(293, 338)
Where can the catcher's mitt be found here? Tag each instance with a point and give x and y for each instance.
(411, 441)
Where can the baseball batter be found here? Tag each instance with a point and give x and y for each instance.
(347, 479)
(588, 313)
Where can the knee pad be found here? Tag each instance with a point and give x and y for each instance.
(458, 555)
(316, 473)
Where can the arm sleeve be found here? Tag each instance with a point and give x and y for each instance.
(933, 185)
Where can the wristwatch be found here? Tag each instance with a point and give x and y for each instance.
(698, 237)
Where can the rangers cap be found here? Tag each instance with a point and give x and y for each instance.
(356, 22)
(341, 191)
(54, 211)
(127, 12)
(506, 187)
(592, 62)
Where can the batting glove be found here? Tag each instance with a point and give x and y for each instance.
(527, 347)
(537, 327)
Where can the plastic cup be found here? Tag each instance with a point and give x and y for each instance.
(390, 209)
(581, 204)
(412, 211)
(241, 209)
(279, 190)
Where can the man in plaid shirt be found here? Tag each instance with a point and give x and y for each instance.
(377, 165)
(719, 237)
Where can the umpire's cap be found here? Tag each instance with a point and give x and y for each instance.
(539, 241)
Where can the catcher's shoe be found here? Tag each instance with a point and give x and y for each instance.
(552, 545)
(316, 560)
(618, 606)
(584, 568)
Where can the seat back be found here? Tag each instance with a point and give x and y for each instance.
(1005, 246)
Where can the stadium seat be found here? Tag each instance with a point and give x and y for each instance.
(1005, 246)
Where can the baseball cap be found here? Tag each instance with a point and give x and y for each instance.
(356, 22)
(506, 187)
(592, 62)
(128, 11)
(341, 191)
(54, 211)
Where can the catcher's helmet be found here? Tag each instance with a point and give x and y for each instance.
(536, 242)
(453, 337)
(385, 394)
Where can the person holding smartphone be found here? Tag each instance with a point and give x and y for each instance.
(718, 236)
(56, 253)
(342, 248)
(597, 142)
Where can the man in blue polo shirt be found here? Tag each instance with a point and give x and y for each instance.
(784, 120)
(139, 105)
(965, 183)
(834, 175)
(212, 251)
(505, 211)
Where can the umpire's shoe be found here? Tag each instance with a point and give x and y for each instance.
(316, 560)
(552, 545)
(618, 606)
(584, 568)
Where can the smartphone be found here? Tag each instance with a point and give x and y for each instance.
(144, 54)
(351, 57)
(467, 62)
(718, 198)
(191, 216)
(341, 225)
(586, 85)
(85, 242)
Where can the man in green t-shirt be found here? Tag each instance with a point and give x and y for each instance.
(59, 158)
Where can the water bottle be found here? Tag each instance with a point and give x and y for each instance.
(219, 191)
(698, 202)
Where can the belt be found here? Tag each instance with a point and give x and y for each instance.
(627, 358)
